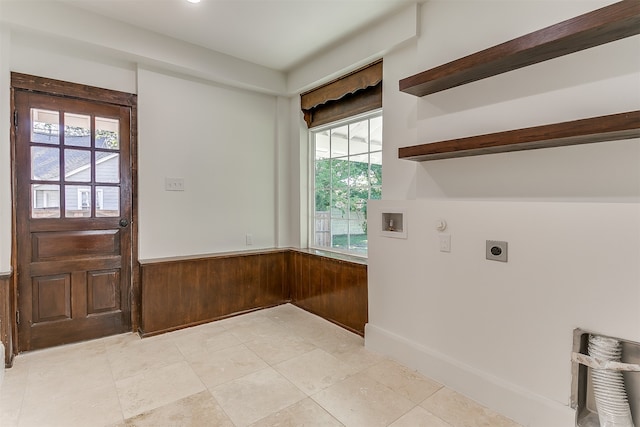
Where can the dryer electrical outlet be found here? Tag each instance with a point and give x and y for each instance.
(496, 250)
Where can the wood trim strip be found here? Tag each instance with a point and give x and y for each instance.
(584, 131)
(7, 320)
(595, 28)
(144, 262)
(72, 90)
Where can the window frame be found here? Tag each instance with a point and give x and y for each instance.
(369, 115)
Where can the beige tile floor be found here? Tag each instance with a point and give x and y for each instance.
(275, 367)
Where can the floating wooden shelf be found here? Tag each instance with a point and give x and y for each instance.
(584, 131)
(600, 26)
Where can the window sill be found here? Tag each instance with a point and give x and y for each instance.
(334, 255)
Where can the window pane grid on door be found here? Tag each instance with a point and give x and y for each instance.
(77, 201)
(107, 201)
(45, 163)
(45, 126)
(77, 130)
(45, 200)
(107, 167)
(82, 180)
(77, 165)
(107, 134)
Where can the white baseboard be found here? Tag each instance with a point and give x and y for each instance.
(511, 400)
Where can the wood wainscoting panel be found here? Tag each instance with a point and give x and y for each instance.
(184, 292)
(334, 289)
(181, 292)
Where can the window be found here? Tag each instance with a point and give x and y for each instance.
(346, 173)
(84, 198)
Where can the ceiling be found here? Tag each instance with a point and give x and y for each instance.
(279, 34)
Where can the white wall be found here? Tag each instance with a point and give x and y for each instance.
(229, 144)
(502, 333)
(5, 154)
(222, 142)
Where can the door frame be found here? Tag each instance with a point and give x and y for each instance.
(25, 82)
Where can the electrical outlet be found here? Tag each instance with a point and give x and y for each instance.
(173, 184)
(445, 243)
(249, 239)
(496, 250)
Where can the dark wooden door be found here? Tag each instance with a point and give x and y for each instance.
(73, 213)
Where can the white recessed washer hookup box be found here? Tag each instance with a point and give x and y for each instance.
(394, 223)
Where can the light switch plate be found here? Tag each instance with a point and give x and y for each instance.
(445, 243)
(173, 184)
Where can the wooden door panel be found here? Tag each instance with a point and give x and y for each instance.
(51, 267)
(103, 291)
(70, 331)
(51, 298)
(68, 244)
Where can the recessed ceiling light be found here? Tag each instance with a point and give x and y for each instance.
(193, 1)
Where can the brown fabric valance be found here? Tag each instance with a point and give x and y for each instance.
(357, 92)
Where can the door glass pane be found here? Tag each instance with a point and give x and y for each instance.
(45, 201)
(77, 201)
(77, 130)
(45, 126)
(107, 201)
(107, 167)
(45, 163)
(77, 165)
(107, 133)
